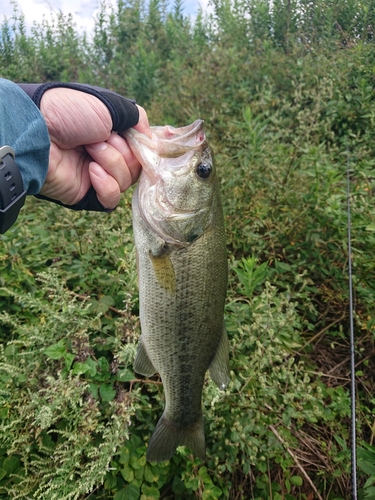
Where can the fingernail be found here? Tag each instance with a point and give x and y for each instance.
(98, 146)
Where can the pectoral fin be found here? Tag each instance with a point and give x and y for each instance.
(164, 271)
(219, 367)
(142, 363)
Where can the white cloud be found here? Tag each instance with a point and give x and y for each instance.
(83, 11)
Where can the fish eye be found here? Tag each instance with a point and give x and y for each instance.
(203, 170)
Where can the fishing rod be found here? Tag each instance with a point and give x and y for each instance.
(352, 344)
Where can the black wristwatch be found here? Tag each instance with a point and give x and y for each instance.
(12, 193)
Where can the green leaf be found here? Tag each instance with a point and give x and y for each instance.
(125, 375)
(124, 455)
(127, 473)
(93, 388)
(286, 417)
(178, 486)
(56, 351)
(3, 473)
(69, 358)
(10, 350)
(130, 492)
(107, 392)
(121, 495)
(277, 496)
(137, 462)
(92, 367)
(110, 482)
(103, 370)
(80, 368)
(282, 266)
(203, 474)
(11, 464)
(193, 483)
(104, 304)
(151, 475)
(370, 493)
(211, 493)
(139, 474)
(150, 492)
(296, 480)
(216, 492)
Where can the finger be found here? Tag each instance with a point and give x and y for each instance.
(131, 161)
(143, 125)
(106, 187)
(112, 161)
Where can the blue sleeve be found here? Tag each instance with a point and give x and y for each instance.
(23, 128)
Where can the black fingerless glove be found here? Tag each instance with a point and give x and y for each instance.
(123, 111)
(124, 115)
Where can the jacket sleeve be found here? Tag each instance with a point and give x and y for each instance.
(23, 128)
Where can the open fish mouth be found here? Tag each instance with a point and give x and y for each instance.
(166, 142)
(174, 142)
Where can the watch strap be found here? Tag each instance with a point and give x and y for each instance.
(12, 193)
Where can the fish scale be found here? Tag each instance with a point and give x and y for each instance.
(182, 281)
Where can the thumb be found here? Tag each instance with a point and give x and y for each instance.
(107, 189)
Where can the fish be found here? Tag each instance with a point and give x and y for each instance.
(179, 235)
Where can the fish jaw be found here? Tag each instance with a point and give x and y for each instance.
(145, 150)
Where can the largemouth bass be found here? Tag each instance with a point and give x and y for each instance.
(182, 270)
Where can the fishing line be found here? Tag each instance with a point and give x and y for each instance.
(352, 345)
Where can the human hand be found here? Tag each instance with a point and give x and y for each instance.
(84, 152)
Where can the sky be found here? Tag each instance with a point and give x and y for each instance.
(84, 11)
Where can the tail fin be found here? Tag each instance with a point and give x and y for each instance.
(169, 434)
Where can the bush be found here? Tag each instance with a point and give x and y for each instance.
(287, 96)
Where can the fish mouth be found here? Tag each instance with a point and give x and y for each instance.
(165, 142)
(174, 142)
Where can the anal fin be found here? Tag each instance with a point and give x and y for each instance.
(142, 363)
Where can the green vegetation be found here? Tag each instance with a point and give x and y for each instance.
(287, 93)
